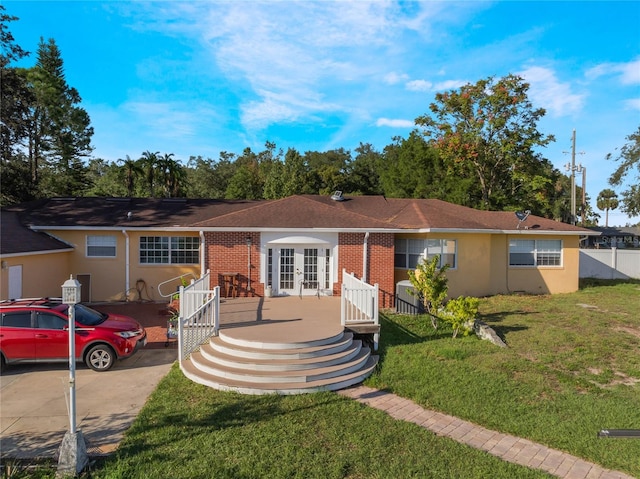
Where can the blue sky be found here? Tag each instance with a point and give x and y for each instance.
(197, 78)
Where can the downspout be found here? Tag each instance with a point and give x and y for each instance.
(127, 266)
(248, 241)
(202, 254)
(365, 254)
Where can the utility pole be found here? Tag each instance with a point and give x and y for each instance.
(573, 168)
(584, 194)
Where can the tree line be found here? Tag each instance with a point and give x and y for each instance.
(478, 146)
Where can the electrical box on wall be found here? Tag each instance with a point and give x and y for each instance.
(406, 302)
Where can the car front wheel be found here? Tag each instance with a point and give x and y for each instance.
(100, 358)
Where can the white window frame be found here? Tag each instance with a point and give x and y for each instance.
(416, 249)
(545, 253)
(102, 242)
(167, 250)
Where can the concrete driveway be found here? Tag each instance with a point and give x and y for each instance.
(33, 403)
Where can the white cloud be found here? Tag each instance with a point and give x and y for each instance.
(424, 85)
(630, 73)
(449, 85)
(548, 92)
(292, 55)
(633, 104)
(168, 119)
(394, 78)
(419, 85)
(395, 123)
(627, 73)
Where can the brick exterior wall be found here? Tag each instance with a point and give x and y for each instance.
(380, 258)
(227, 252)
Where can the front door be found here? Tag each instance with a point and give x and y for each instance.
(302, 270)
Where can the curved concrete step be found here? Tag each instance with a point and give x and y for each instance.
(280, 364)
(244, 387)
(281, 376)
(229, 338)
(254, 351)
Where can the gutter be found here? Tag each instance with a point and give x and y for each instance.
(202, 254)
(34, 253)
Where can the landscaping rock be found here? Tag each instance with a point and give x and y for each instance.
(484, 331)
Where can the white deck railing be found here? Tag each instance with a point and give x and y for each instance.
(359, 303)
(199, 315)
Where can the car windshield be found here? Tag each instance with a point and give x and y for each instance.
(87, 316)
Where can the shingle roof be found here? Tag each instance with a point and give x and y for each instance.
(114, 212)
(293, 212)
(299, 212)
(16, 238)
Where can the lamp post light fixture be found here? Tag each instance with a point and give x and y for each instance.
(73, 450)
(71, 297)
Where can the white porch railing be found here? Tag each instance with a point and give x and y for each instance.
(359, 303)
(199, 315)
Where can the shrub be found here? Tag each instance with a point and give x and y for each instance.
(460, 313)
(431, 285)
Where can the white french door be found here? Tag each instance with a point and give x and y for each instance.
(302, 270)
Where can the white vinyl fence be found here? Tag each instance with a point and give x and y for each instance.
(613, 263)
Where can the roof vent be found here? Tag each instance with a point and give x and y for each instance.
(337, 196)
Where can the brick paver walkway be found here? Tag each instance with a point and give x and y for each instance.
(507, 447)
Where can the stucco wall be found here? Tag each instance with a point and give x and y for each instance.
(547, 279)
(42, 274)
(483, 270)
(472, 274)
(109, 281)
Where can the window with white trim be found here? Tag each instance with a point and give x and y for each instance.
(101, 246)
(535, 252)
(410, 251)
(169, 250)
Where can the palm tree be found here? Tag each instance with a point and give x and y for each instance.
(172, 175)
(607, 200)
(131, 170)
(148, 162)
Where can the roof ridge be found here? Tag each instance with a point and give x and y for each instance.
(315, 198)
(410, 205)
(257, 204)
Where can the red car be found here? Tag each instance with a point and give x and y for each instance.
(37, 330)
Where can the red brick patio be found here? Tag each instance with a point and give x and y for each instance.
(152, 316)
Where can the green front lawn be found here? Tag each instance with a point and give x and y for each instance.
(571, 369)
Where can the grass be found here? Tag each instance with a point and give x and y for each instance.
(571, 369)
